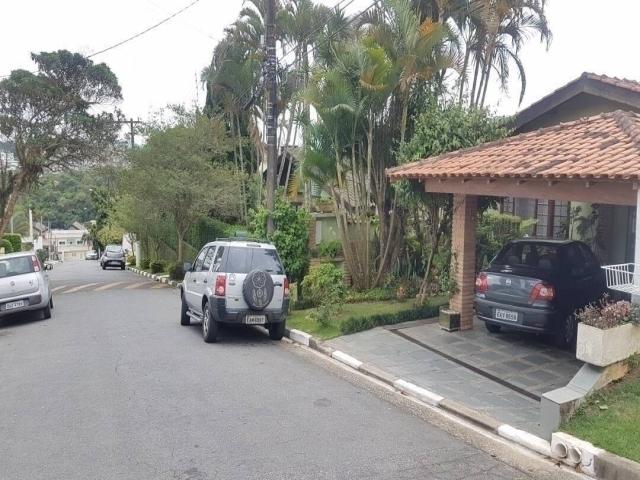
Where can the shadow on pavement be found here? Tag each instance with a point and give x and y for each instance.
(236, 334)
(20, 319)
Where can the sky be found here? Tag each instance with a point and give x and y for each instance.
(163, 66)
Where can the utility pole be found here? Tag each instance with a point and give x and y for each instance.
(272, 109)
(133, 142)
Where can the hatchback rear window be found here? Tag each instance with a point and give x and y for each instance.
(10, 267)
(115, 248)
(243, 260)
(529, 255)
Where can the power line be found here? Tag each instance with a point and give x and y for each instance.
(133, 37)
(139, 34)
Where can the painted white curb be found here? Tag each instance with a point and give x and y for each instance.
(525, 439)
(344, 358)
(299, 337)
(418, 392)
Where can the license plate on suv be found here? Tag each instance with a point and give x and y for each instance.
(507, 315)
(255, 319)
(12, 305)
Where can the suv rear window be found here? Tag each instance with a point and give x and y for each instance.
(10, 267)
(114, 248)
(529, 255)
(243, 260)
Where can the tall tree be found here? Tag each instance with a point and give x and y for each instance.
(56, 118)
(179, 175)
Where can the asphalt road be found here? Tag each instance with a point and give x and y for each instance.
(112, 387)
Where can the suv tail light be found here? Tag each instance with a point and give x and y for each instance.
(221, 285)
(286, 287)
(36, 263)
(542, 291)
(482, 283)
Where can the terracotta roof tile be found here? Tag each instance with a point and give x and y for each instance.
(618, 82)
(603, 146)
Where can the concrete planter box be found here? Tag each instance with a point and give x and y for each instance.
(606, 347)
(449, 320)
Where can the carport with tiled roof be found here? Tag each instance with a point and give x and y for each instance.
(595, 159)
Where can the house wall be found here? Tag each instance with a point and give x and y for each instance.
(582, 105)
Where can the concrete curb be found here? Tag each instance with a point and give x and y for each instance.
(591, 460)
(157, 278)
(594, 462)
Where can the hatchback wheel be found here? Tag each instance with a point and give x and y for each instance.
(209, 325)
(566, 334)
(46, 312)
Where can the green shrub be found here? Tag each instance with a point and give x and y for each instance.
(15, 240)
(324, 281)
(157, 266)
(42, 255)
(330, 248)
(373, 295)
(303, 304)
(6, 244)
(144, 263)
(131, 260)
(176, 272)
(291, 236)
(358, 324)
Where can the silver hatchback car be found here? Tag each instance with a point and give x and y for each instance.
(24, 284)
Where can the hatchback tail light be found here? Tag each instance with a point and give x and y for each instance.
(542, 291)
(221, 285)
(36, 263)
(482, 283)
(286, 287)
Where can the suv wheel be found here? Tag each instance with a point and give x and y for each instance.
(209, 325)
(276, 330)
(566, 335)
(184, 317)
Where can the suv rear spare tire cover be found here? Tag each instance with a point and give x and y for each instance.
(257, 289)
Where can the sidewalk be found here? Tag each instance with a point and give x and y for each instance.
(501, 375)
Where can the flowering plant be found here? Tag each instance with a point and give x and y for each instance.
(606, 314)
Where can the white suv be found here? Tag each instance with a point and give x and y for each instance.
(235, 281)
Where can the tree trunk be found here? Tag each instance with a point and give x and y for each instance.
(475, 80)
(16, 190)
(463, 77)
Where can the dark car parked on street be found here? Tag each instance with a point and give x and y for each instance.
(113, 256)
(536, 285)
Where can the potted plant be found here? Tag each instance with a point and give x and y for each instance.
(608, 332)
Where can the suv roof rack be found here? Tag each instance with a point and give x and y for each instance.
(242, 239)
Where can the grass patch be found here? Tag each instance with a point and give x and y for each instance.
(365, 310)
(610, 418)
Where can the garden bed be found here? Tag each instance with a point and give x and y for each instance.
(364, 315)
(610, 418)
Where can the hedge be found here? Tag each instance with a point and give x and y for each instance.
(157, 266)
(6, 244)
(358, 324)
(15, 240)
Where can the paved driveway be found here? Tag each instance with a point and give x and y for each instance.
(502, 375)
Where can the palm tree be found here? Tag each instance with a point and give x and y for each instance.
(495, 33)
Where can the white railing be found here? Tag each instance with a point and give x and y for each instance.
(622, 277)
